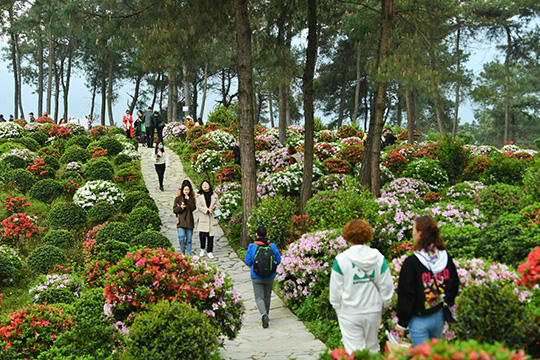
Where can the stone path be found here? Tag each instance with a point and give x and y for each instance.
(286, 337)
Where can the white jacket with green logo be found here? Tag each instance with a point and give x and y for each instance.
(360, 282)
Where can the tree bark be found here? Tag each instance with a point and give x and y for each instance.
(357, 88)
(506, 84)
(103, 98)
(187, 94)
(110, 93)
(175, 99)
(282, 113)
(245, 105)
(170, 98)
(68, 79)
(158, 83)
(309, 134)
(51, 65)
(135, 96)
(270, 109)
(94, 91)
(410, 114)
(370, 170)
(13, 44)
(40, 76)
(342, 98)
(458, 82)
(205, 87)
(57, 74)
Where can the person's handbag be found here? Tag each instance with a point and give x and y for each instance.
(143, 128)
(217, 213)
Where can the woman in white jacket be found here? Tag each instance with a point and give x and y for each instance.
(361, 289)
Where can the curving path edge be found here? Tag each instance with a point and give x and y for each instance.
(286, 337)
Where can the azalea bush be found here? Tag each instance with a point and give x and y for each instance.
(466, 191)
(270, 161)
(229, 173)
(498, 199)
(531, 214)
(410, 190)
(530, 269)
(285, 182)
(94, 191)
(175, 130)
(144, 277)
(476, 168)
(325, 151)
(332, 182)
(209, 161)
(33, 329)
(274, 213)
(429, 171)
(230, 198)
(15, 204)
(223, 139)
(352, 153)
(337, 166)
(10, 264)
(53, 289)
(306, 265)
(10, 130)
(17, 228)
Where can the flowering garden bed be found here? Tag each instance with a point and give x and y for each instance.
(484, 199)
(81, 259)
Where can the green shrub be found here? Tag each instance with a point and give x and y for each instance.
(92, 337)
(132, 198)
(275, 213)
(28, 142)
(114, 231)
(113, 146)
(45, 258)
(75, 153)
(504, 169)
(498, 199)
(46, 190)
(171, 331)
(67, 215)
(81, 141)
(223, 116)
(40, 137)
(50, 150)
(16, 162)
(147, 202)
(135, 186)
(55, 296)
(452, 157)
(531, 182)
(99, 169)
(62, 239)
(121, 159)
(537, 143)
(507, 241)
(139, 219)
(51, 161)
(112, 251)
(102, 211)
(23, 179)
(112, 131)
(461, 241)
(10, 264)
(333, 209)
(429, 171)
(72, 175)
(151, 239)
(492, 312)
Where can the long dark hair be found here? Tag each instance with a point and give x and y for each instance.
(430, 236)
(157, 148)
(210, 190)
(188, 184)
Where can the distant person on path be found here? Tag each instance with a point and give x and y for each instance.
(149, 124)
(207, 224)
(361, 289)
(89, 121)
(199, 120)
(2, 118)
(31, 117)
(427, 278)
(160, 163)
(236, 152)
(189, 123)
(184, 205)
(159, 125)
(11, 118)
(62, 121)
(294, 156)
(138, 127)
(262, 286)
(128, 124)
(44, 113)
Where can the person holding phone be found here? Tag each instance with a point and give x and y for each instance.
(184, 205)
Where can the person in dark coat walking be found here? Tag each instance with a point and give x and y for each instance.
(159, 125)
(184, 205)
(150, 125)
(236, 152)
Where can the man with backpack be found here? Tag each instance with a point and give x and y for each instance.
(263, 257)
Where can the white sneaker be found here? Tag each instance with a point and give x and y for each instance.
(210, 255)
(201, 254)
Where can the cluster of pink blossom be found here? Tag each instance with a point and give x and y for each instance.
(307, 263)
(272, 140)
(270, 161)
(457, 214)
(466, 190)
(405, 189)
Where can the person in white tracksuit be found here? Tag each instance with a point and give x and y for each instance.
(361, 288)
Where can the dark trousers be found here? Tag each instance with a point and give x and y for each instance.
(160, 169)
(150, 136)
(262, 290)
(206, 236)
(160, 134)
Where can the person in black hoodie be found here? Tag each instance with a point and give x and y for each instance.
(426, 278)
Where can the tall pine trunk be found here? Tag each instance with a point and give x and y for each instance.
(309, 71)
(458, 82)
(16, 84)
(245, 105)
(370, 170)
(357, 88)
(135, 96)
(40, 76)
(103, 98)
(68, 80)
(205, 85)
(110, 93)
(187, 94)
(506, 83)
(50, 74)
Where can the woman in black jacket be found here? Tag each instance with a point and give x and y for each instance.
(426, 278)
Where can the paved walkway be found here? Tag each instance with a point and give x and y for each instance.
(286, 337)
